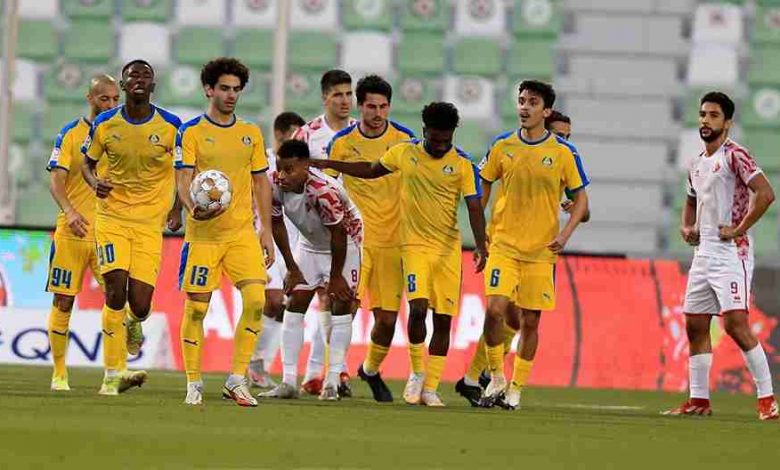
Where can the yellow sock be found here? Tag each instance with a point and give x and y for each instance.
(521, 372)
(374, 357)
(509, 336)
(479, 362)
(435, 368)
(112, 337)
(495, 359)
(417, 357)
(192, 337)
(122, 365)
(58, 339)
(249, 326)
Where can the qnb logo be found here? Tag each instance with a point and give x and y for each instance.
(32, 344)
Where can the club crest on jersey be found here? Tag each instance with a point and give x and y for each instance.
(448, 170)
(547, 161)
(154, 138)
(246, 140)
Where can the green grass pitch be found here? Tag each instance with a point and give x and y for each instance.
(557, 428)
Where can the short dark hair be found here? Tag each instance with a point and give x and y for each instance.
(286, 120)
(545, 90)
(722, 99)
(332, 78)
(210, 73)
(373, 84)
(293, 149)
(556, 116)
(441, 116)
(133, 62)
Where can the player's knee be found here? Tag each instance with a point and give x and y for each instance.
(697, 330)
(140, 309)
(442, 324)
(737, 327)
(253, 300)
(116, 297)
(531, 321)
(274, 304)
(385, 321)
(64, 303)
(198, 311)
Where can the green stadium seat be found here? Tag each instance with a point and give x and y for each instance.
(23, 121)
(312, 51)
(532, 58)
(196, 46)
(180, 87)
(66, 82)
(477, 56)
(37, 40)
(90, 41)
(21, 170)
(427, 15)
(507, 101)
(156, 11)
(421, 53)
(255, 47)
(256, 94)
(88, 9)
(537, 18)
(412, 93)
(764, 66)
(768, 3)
(303, 94)
(367, 14)
(55, 118)
(762, 108)
(766, 234)
(408, 118)
(764, 145)
(35, 206)
(766, 28)
(472, 137)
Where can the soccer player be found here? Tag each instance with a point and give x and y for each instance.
(381, 278)
(336, 86)
(223, 238)
(285, 125)
(73, 247)
(327, 256)
(727, 195)
(534, 167)
(134, 198)
(434, 176)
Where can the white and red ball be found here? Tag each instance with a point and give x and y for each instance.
(211, 188)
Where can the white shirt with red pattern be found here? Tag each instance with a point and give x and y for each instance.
(323, 203)
(719, 183)
(318, 135)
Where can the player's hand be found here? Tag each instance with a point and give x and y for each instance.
(201, 213)
(567, 206)
(103, 187)
(174, 220)
(690, 235)
(338, 289)
(728, 233)
(77, 223)
(480, 259)
(292, 279)
(267, 242)
(558, 244)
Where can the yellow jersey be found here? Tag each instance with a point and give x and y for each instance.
(534, 176)
(238, 151)
(66, 154)
(140, 165)
(431, 189)
(377, 199)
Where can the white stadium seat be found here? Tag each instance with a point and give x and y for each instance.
(618, 117)
(713, 65)
(474, 97)
(597, 237)
(25, 85)
(38, 9)
(623, 161)
(612, 6)
(688, 148)
(718, 23)
(255, 13)
(480, 18)
(316, 15)
(367, 52)
(156, 46)
(201, 12)
(620, 76)
(626, 202)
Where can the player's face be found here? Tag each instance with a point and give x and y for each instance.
(293, 173)
(712, 122)
(338, 100)
(224, 94)
(530, 108)
(561, 128)
(138, 82)
(103, 97)
(374, 111)
(437, 141)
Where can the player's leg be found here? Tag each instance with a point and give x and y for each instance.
(59, 319)
(145, 254)
(270, 338)
(417, 277)
(315, 366)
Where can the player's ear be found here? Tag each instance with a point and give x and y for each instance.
(547, 112)
(152, 87)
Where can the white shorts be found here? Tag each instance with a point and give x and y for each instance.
(315, 268)
(278, 270)
(717, 285)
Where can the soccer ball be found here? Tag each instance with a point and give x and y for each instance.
(209, 188)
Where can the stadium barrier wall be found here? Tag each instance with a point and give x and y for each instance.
(619, 322)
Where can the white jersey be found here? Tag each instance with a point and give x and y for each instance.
(317, 134)
(323, 202)
(719, 183)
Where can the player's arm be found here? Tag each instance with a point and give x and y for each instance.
(59, 166)
(338, 288)
(364, 170)
(279, 231)
(688, 222)
(576, 181)
(763, 197)
(568, 205)
(92, 150)
(477, 223)
(487, 186)
(262, 192)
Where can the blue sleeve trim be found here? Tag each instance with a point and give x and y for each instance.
(477, 178)
(181, 166)
(339, 135)
(64, 131)
(169, 117)
(52, 165)
(404, 129)
(577, 159)
(183, 128)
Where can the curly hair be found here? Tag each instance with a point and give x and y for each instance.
(440, 116)
(210, 73)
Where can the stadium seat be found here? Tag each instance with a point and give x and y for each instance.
(421, 53)
(35, 207)
(255, 14)
(532, 58)
(537, 18)
(156, 48)
(472, 137)
(604, 237)
(482, 18)
(55, 117)
(255, 95)
(89, 41)
(766, 26)
(611, 6)
(367, 14)
(25, 85)
(425, 15)
(202, 13)
(367, 52)
(474, 97)
(410, 94)
(66, 82)
(764, 145)
(39, 9)
(477, 56)
(157, 11)
(607, 117)
(409, 118)
(642, 162)
(197, 45)
(718, 23)
(624, 76)
(186, 113)
(626, 202)
(96, 9)
(688, 147)
(314, 16)
(24, 121)
(180, 87)
(706, 58)
(762, 108)
(19, 167)
(764, 65)
(255, 47)
(303, 94)
(766, 235)
(37, 40)
(312, 51)
(507, 103)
